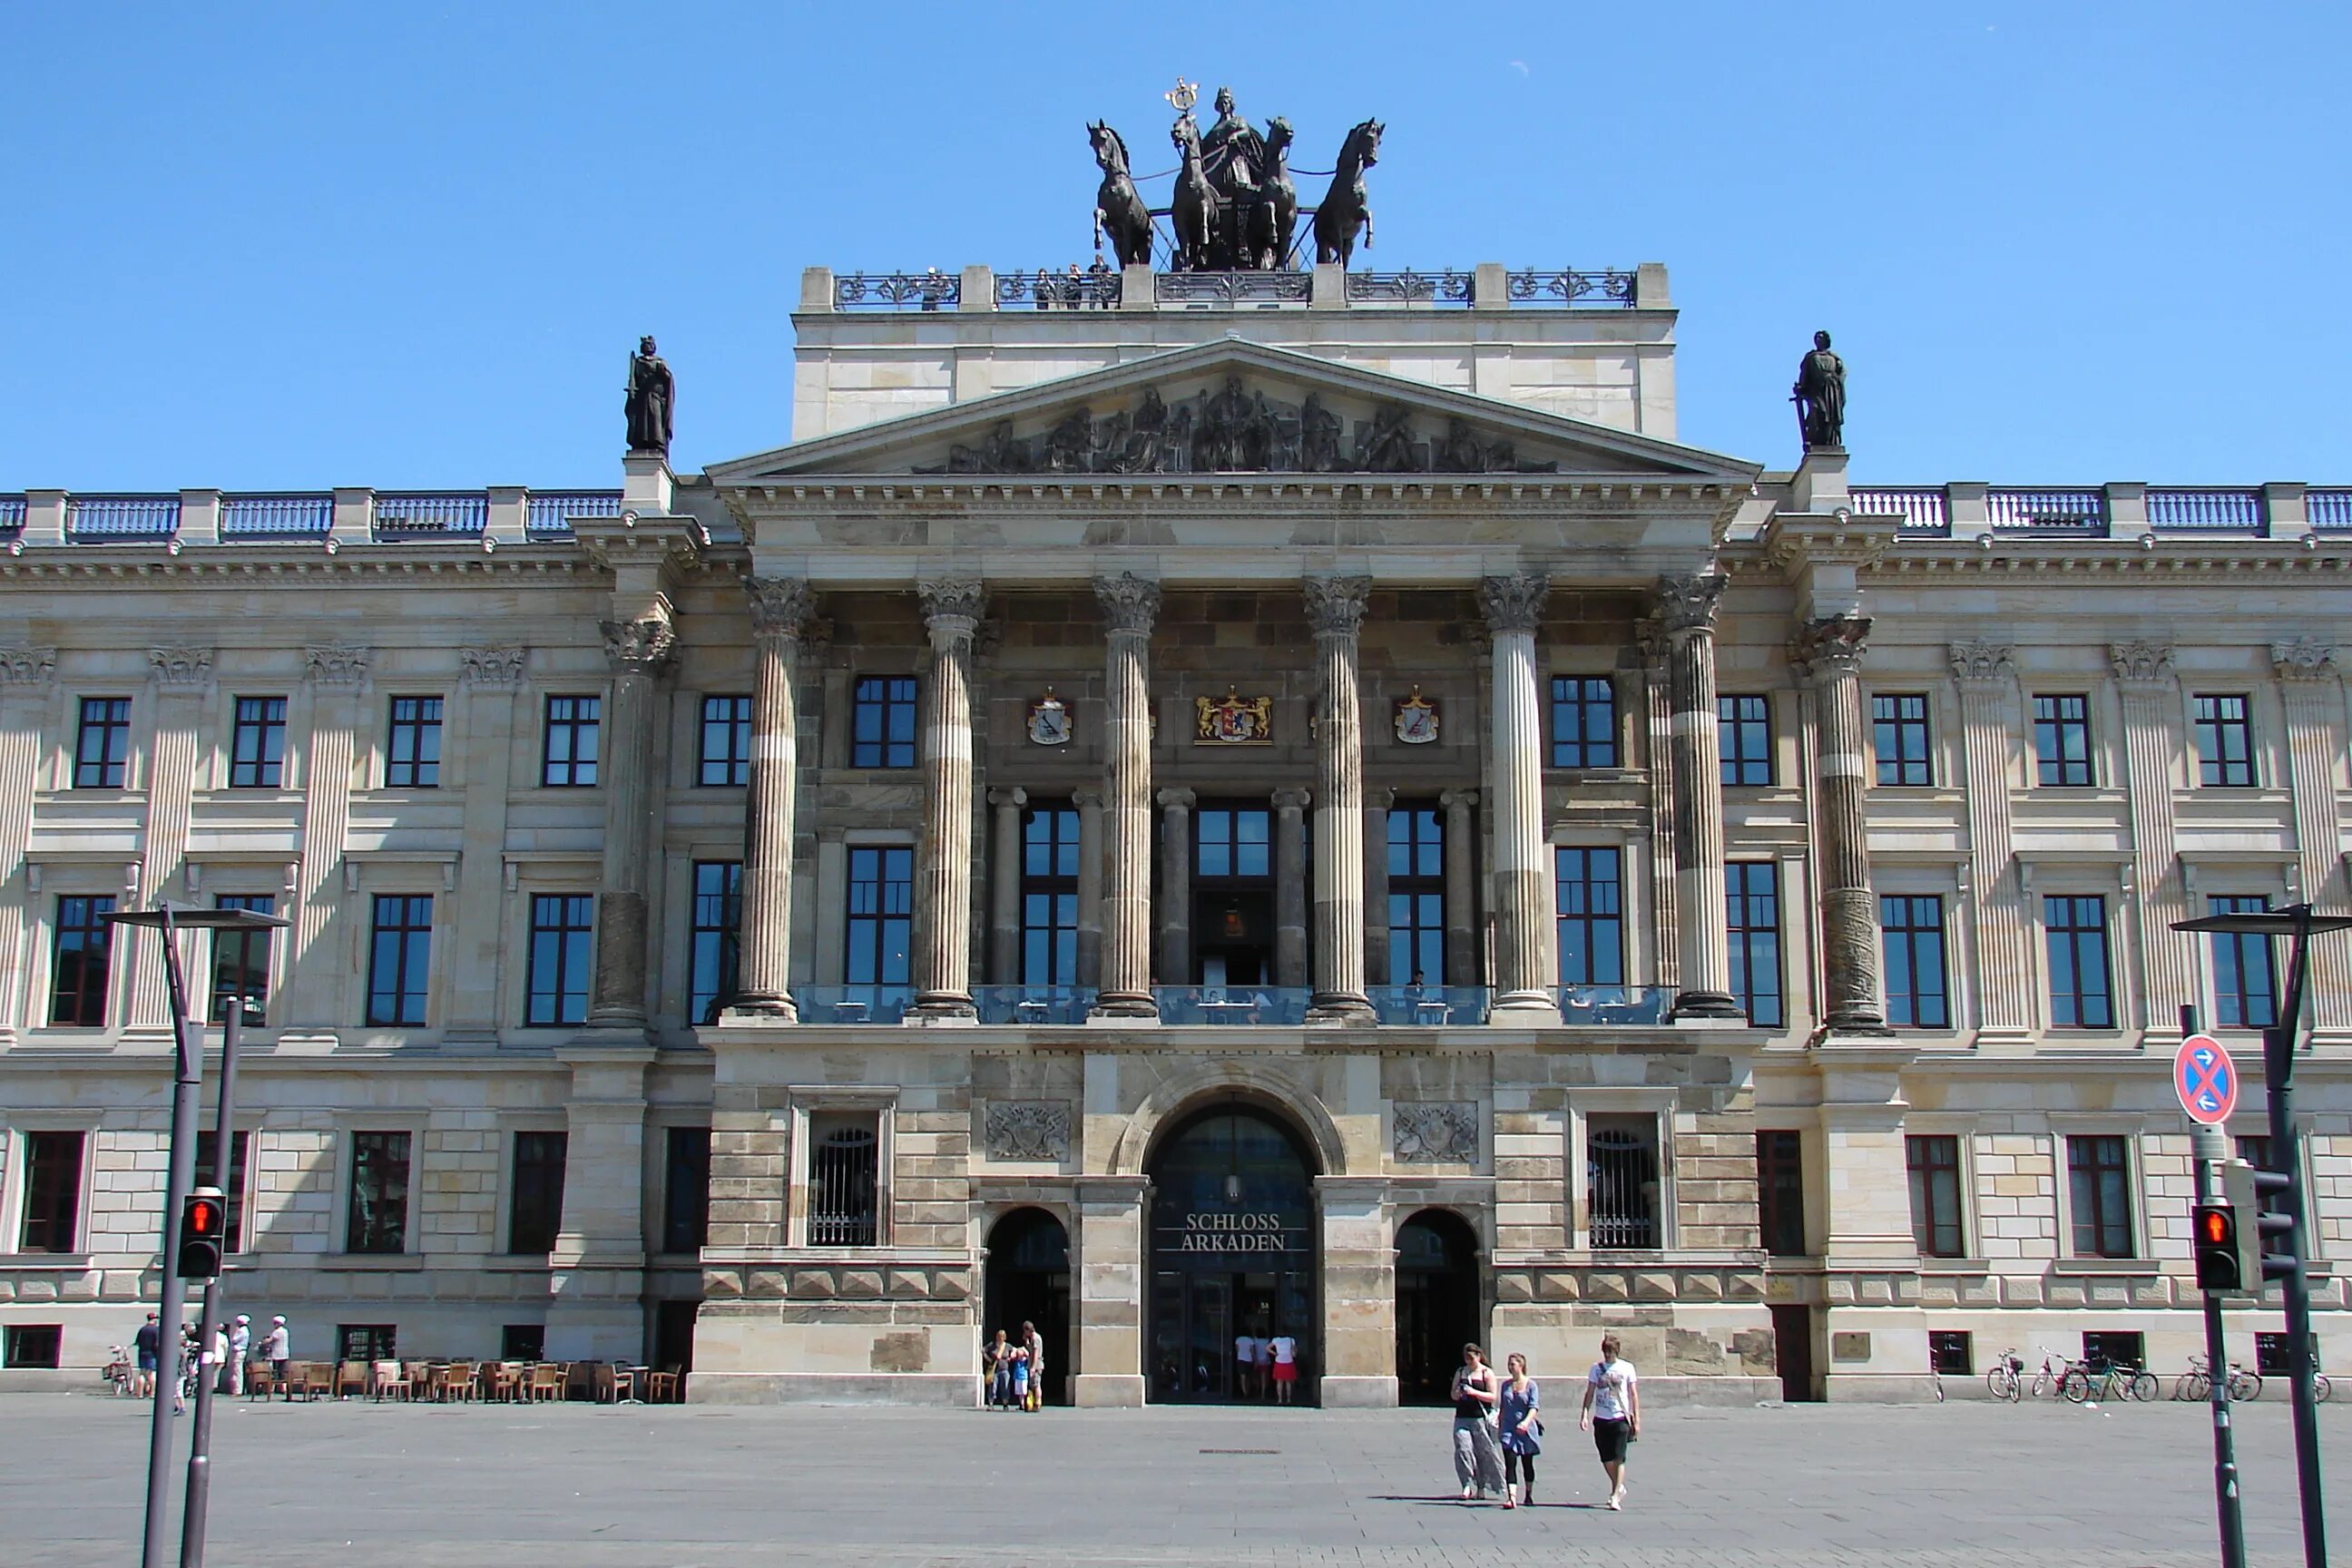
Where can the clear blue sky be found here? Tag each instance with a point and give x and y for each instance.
(295, 246)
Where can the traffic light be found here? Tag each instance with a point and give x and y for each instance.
(2248, 1187)
(203, 1227)
(2219, 1265)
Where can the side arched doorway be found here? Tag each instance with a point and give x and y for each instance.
(1437, 1303)
(1233, 1252)
(1028, 1282)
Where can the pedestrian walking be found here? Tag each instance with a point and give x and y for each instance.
(1284, 1348)
(240, 1347)
(1035, 1343)
(277, 1349)
(999, 1358)
(1518, 1430)
(1613, 1410)
(1477, 1463)
(1021, 1378)
(1245, 1365)
(146, 1345)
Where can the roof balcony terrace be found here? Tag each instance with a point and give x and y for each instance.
(2108, 511)
(496, 515)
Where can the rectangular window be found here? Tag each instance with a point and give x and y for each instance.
(568, 759)
(1898, 725)
(79, 948)
(258, 745)
(535, 1200)
(2099, 1174)
(2080, 996)
(561, 925)
(377, 1220)
(2061, 741)
(882, 723)
(844, 1188)
(1935, 1165)
(2111, 1347)
(2245, 989)
(413, 755)
(522, 1341)
(400, 957)
(1952, 1352)
(1416, 896)
(232, 1189)
(1781, 1191)
(714, 966)
(241, 961)
(2273, 1356)
(726, 741)
(102, 743)
(2225, 744)
(686, 1190)
(1911, 928)
(1049, 896)
(1583, 721)
(1621, 1172)
(366, 1341)
(2254, 1149)
(1744, 736)
(52, 1206)
(881, 915)
(1752, 899)
(35, 1345)
(1230, 844)
(1588, 916)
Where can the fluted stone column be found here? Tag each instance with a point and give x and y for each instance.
(943, 957)
(1335, 607)
(1989, 733)
(28, 676)
(1526, 960)
(2151, 702)
(1829, 651)
(2311, 680)
(1129, 606)
(1290, 887)
(1004, 889)
(1658, 710)
(1461, 889)
(1089, 803)
(640, 653)
(1175, 966)
(781, 610)
(1686, 607)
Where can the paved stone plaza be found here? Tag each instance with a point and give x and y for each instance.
(597, 1488)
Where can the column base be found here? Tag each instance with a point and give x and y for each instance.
(1125, 1008)
(1853, 1026)
(760, 1010)
(1331, 1009)
(1106, 1391)
(1718, 1005)
(1525, 1010)
(942, 1008)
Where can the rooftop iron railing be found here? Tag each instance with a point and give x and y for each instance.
(1207, 291)
(110, 519)
(1410, 288)
(277, 516)
(549, 515)
(928, 290)
(1050, 290)
(402, 514)
(1569, 288)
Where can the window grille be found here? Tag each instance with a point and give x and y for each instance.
(843, 1182)
(1621, 1160)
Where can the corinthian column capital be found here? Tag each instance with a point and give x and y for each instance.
(1687, 604)
(1513, 603)
(1335, 605)
(781, 608)
(338, 665)
(641, 647)
(951, 609)
(25, 665)
(1981, 663)
(2305, 659)
(2141, 663)
(1129, 602)
(1831, 648)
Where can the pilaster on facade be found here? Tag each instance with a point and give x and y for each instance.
(183, 678)
(2311, 683)
(1988, 718)
(490, 681)
(596, 1270)
(28, 679)
(641, 650)
(314, 1005)
(2153, 747)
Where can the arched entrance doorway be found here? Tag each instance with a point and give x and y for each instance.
(1028, 1282)
(1233, 1253)
(1437, 1303)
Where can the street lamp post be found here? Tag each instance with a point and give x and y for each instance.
(188, 1059)
(2298, 923)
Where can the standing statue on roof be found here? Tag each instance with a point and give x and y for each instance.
(1820, 397)
(650, 402)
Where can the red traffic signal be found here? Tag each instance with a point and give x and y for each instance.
(203, 1230)
(2219, 1263)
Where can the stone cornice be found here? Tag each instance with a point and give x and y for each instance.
(1791, 539)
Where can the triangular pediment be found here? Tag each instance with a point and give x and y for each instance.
(1234, 406)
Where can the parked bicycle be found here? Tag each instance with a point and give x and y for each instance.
(2007, 1378)
(2090, 1380)
(2196, 1385)
(117, 1372)
(2053, 1375)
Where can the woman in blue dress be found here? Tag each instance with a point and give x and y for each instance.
(1522, 1429)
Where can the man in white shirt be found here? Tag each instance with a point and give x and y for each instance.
(240, 1346)
(1246, 1366)
(1612, 1414)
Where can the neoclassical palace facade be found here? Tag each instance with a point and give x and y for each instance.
(1207, 804)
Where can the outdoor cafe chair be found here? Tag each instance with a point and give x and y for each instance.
(603, 1387)
(387, 1381)
(501, 1380)
(455, 1380)
(546, 1381)
(663, 1387)
(351, 1377)
(312, 1378)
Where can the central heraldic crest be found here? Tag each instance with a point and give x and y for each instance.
(1233, 719)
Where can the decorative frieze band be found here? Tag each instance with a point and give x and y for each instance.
(496, 669)
(1028, 1129)
(1982, 662)
(1436, 1132)
(27, 666)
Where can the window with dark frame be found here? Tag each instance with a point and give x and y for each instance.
(1589, 915)
(1229, 843)
(1911, 930)
(726, 752)
(1936, 1221)
(412, 757)
(882, 722)
(377, 1219)
(2099, 1173)
(35, 1346)
(367, 1341)
(1744, 735)
(1752, 902)
(1952, 1352)
(2061, 741)
(241, 961)
(568, 754)
(51, 1209)
(2082, 994)
(522, 1341)
(1416, 851)
(715, 959)
(1583, 721)
(400, 959)
(2254, 1149)
(1781, 1191)
(2225, 742)
(2114, 1347)
(1621, 1175)
(102, 743)
(535, 1194)
(2245, 984)
(1049, 896)
(80, 954)
(232, 1189)
(686, 1190)
(1898, 724)
(843, 1180)
(881, 915)
(562, 927)
(256, 758)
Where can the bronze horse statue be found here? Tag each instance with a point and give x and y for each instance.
(1344, 206)
(1196, 210)
(1119, 211)
(1275, 219)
